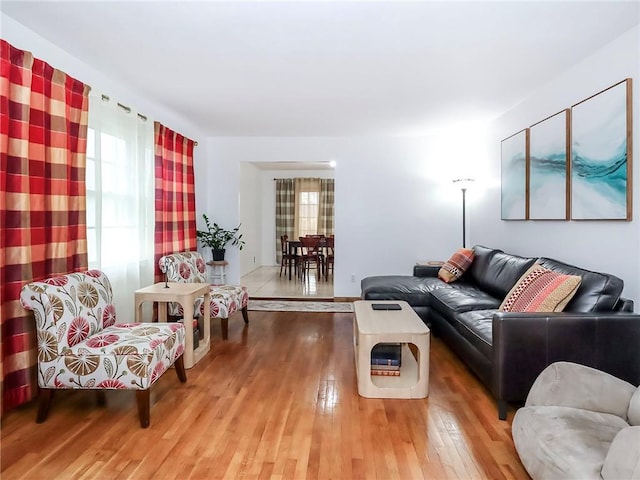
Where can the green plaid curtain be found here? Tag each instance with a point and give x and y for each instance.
(326, 210)
(285, 211)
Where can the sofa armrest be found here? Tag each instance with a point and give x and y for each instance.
(624, 305)
(421, 270)
(565, 384)
(524, 344)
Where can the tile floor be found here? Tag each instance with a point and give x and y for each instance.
(265, 282)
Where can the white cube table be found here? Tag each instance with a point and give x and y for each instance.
(185, 294)
(404, 326)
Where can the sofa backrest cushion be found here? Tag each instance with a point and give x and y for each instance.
(497, 272)
(598, 292)
(633, 414)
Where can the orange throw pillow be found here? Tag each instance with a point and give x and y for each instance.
(541, 290)
(453, 268)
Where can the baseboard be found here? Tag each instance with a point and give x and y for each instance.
(309, 299)
(346, 299)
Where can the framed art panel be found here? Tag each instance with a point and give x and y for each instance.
(601, 155)
(514, 170)
(549, 168)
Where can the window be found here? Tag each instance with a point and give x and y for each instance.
(308, 213)
(120, 196)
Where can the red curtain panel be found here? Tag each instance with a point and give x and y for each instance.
(175, 229)
(43, 142)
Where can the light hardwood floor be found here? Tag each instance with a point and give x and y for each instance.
(277, 400)
(266, 282)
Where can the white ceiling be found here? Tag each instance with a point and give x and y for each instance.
(329, 68)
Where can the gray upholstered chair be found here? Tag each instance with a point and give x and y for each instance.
(579, 423)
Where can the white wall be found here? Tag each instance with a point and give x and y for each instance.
(395, 203)
(606, 246)
(251, 217)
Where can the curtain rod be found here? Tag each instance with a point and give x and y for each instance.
(105, 98)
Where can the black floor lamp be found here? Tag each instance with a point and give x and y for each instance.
(464, 183)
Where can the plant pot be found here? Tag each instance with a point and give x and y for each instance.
(218, 254)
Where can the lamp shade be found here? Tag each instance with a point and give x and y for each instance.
(463, 183)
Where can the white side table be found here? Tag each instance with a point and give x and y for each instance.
(185, 294)
(218, 271)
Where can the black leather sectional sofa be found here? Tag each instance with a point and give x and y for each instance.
(507, 351)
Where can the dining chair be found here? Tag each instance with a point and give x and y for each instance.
(286, 256)
(329, 257)
(311, 254)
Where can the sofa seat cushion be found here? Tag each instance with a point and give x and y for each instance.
(461, 298)
(413, 290)
(564, 442)
(476, 326)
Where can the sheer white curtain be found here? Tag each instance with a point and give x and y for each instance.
(120, 199)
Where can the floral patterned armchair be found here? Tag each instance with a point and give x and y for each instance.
(189, 267)
(80, 345)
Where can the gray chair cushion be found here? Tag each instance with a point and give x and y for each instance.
(633, 414)
(623, 458)
(564, 442)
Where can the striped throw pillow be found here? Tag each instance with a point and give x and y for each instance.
(541, 290)
(453, 268)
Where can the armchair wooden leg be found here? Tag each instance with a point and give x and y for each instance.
(143, 398)
(44, 402)
(245, 315)
(225, 327)
(101, 398)
(179, 367)
(502, 409)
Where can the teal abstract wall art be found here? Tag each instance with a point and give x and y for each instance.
(548, 168)
(601, 155)
(514, 176)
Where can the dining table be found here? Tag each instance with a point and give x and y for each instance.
(293, 247)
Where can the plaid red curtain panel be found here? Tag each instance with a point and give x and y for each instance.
(43, 134)
(175, 227)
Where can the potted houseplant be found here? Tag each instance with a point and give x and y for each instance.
(217, 238)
